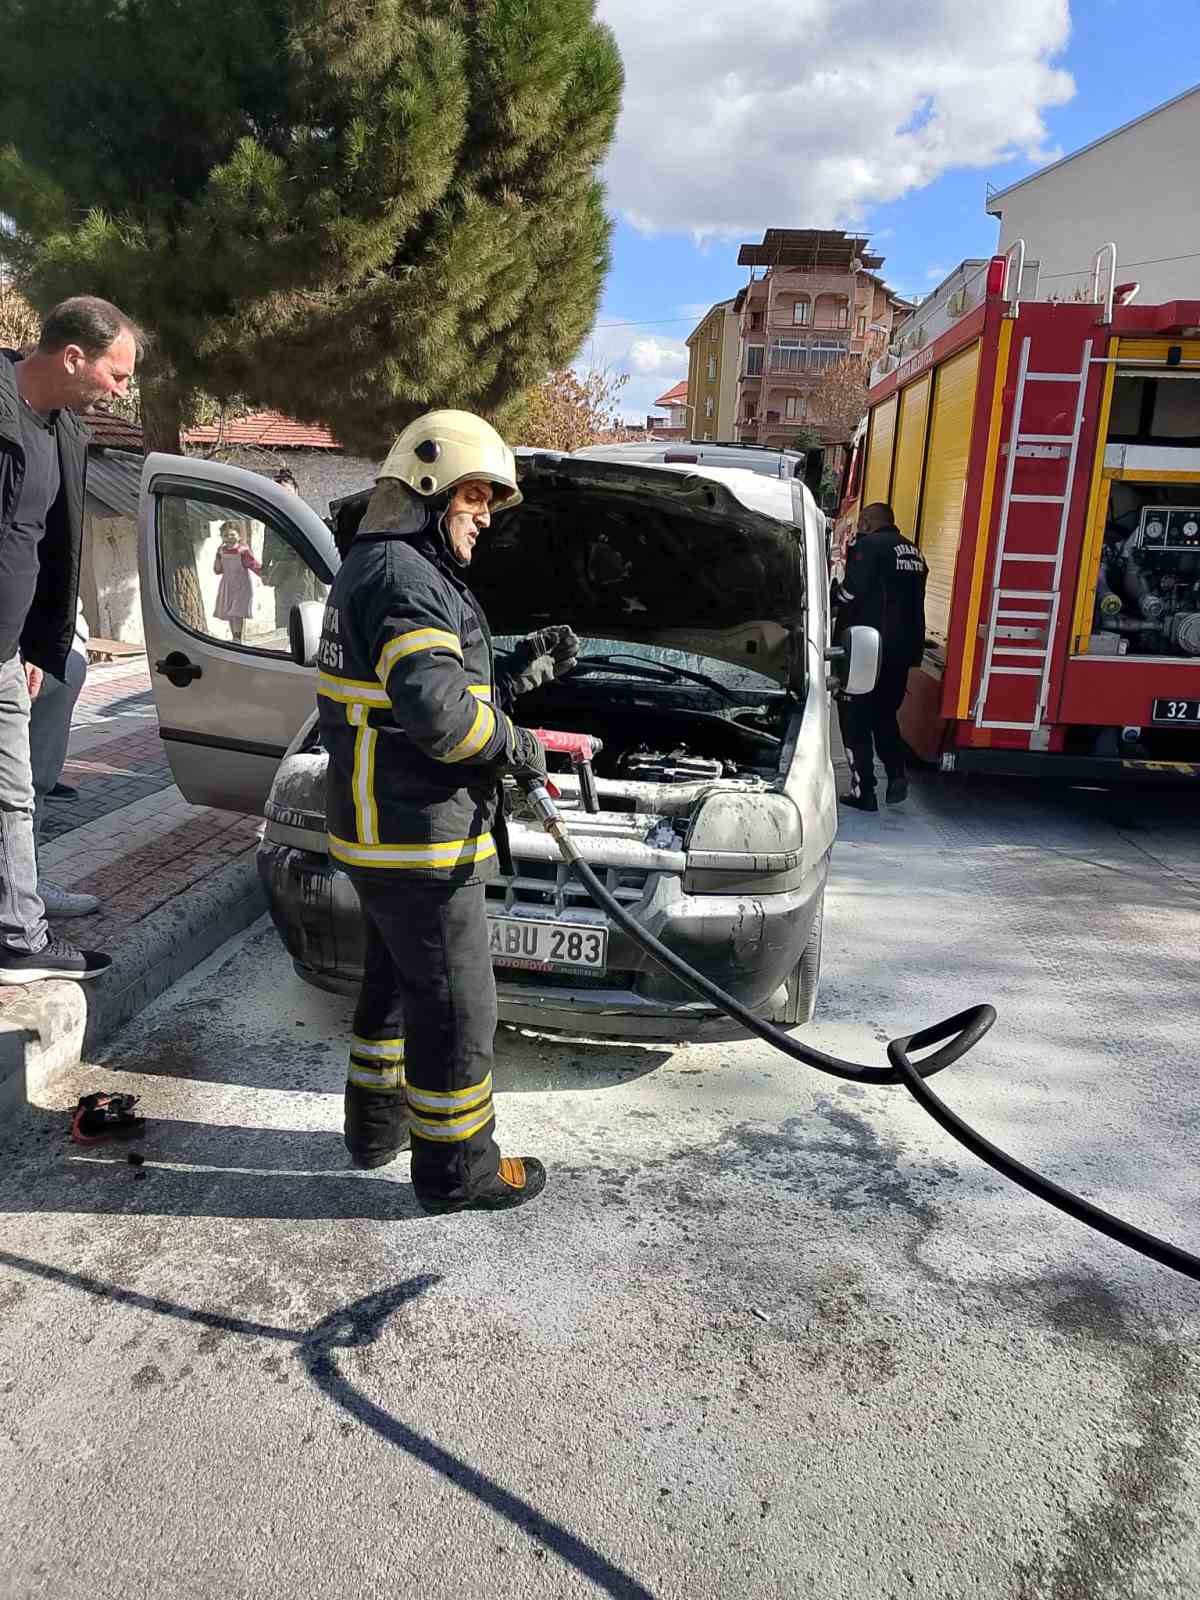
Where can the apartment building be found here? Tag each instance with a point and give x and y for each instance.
(713, 350)
(814, 298)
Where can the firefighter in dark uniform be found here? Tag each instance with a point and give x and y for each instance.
(412, 715)
(884, 588)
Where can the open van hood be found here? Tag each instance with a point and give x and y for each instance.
(709, 561)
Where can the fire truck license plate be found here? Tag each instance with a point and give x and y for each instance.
(1177, 711)
(547, 946)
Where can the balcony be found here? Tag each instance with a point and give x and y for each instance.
(781, 318)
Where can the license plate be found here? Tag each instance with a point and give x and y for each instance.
(1177, 711)
(547, 946)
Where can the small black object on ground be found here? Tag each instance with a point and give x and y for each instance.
(101, 1117)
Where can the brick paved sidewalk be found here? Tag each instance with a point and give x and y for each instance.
(130, 838)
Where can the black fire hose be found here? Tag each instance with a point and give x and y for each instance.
(956, 1035)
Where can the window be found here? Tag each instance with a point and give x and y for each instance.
(795, 408)
(709, 406)
(756, 321)
(714, 331)
(754, 360)
(751, 411)
(229, 576)
(842, 316)
(789, 356)
(800, 313)
(1158, 408)
(707, 438)
(860, 328)
(826, 353)
(712, 369)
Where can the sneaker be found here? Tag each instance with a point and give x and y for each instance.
(62, 791)
(519, 1179)
(897, 791)
(860, 802)
(57, 959)
(60, 902)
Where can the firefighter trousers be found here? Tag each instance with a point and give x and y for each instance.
(421, 1055)
(869, 727)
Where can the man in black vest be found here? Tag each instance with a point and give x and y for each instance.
(884, 588)
(87, 354)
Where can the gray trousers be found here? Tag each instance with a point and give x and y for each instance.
(50, 731)
(22, 915)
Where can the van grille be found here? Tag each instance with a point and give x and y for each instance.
(549, 886)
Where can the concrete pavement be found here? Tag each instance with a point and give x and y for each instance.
(765, 1335)
(174, 881)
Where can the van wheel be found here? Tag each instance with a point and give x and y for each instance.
(805, 981)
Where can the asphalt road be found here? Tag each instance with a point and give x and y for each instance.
(765, 1335)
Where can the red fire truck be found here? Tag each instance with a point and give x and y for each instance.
(1045, 456)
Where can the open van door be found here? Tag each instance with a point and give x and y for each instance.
(229, 697)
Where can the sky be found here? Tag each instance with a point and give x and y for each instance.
(888, 116)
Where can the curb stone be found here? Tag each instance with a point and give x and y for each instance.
(53, 1025)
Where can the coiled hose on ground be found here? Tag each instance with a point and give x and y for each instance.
(955, 1036)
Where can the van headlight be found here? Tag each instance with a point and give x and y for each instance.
(743, 840)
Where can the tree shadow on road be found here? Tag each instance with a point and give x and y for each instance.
(353, 1327)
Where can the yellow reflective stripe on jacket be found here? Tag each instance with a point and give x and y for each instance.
(453, 1130)
(366, 812)
(451, 853)
(377, 1049)
(457, 1100)
(377, 1076)
(473, 741)
(479, 690)
(407, 644)
(351, 691)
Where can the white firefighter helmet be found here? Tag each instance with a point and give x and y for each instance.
(445, 448)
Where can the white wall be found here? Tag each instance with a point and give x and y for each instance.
(108, 583)
(1138, 189)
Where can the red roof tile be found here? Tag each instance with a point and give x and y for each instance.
(266, 430)
(675, 396)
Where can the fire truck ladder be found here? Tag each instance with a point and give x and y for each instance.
(1020, 636)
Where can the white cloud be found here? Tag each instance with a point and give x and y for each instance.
(651, 366)
(935, 274)
(802, 113)
(650, 356)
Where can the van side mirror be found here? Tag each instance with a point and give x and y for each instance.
(304, 632)
(855, 662)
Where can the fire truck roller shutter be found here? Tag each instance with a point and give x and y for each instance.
(910, 455)
(946, 462)
(877, 480)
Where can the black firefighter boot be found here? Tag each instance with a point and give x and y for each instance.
(376, 1127)
(897, 789)
(519, 1179)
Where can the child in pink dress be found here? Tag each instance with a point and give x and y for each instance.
(234, 563)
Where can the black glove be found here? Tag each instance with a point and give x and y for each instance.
(528, 760)
(540, 657)
(561, 644)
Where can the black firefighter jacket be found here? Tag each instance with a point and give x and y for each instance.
(410, 713)
(49, 630)
(884, 588)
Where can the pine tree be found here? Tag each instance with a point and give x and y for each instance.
(348, 212)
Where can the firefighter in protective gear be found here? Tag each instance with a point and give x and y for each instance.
(413, 713)
(884, 588)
